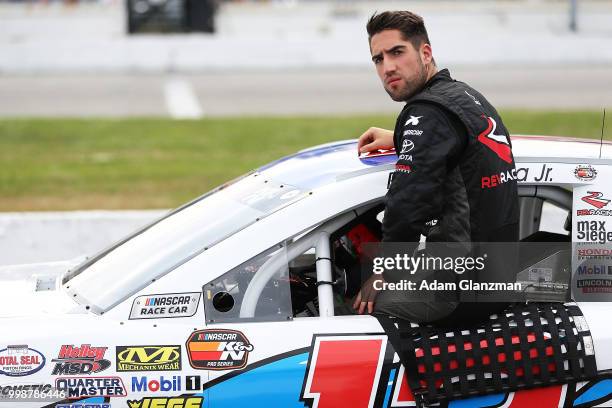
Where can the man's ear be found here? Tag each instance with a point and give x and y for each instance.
(426, 53)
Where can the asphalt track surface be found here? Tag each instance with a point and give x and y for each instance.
(329, 91)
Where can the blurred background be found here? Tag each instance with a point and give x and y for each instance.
(145, 104)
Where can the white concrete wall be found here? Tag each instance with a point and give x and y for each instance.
(57, 236)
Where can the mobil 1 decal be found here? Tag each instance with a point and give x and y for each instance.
(80, 359)
(20, 360)
(218, 349)
(165, 305)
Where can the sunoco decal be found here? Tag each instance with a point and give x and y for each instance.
(218, 349)
(165, 305)
(148, 358)
(20, 360)
(85, 387)
(72, 360)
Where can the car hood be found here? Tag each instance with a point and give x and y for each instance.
(32, 289)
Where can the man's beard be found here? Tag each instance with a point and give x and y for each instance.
(411, 87)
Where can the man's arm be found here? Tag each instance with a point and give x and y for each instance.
(427, 142)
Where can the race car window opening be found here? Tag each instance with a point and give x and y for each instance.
(176, 239)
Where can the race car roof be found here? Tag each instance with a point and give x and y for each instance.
(327, 163)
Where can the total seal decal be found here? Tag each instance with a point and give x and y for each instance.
(165, 305)
(148, 358)
(219, 349)
(20, 360)
(167, 402)
(73, 360)
(84, 387)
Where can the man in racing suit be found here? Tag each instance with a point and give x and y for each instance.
(455, 179)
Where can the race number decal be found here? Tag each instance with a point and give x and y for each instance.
(344, 371)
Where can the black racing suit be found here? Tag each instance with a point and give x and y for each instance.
(455, 179)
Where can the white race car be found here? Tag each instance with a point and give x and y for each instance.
(238, 299)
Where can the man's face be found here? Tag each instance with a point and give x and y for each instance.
(399, 65)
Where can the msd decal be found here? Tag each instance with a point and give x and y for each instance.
(218, 349)
(20, 360)
(499, 144)
(86, 359)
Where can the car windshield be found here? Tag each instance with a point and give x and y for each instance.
(150, 253)
(190, 229)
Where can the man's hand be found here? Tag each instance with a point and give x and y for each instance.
(374, 139)
(367, 294)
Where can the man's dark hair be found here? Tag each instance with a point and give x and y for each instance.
(409, 24)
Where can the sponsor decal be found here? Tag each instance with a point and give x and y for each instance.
(85, 387)
(593, 231)
(167, 402)
(413, 120)
(218, 349)
(193, 383)
(20, 360)
(406, 157)
(585, 172)
(84, 405)
(499, 144)
(595, 285)
(595, 198)
(144, 384)
(403, 168)
(594, 253)
(148, 358)
(413, 132)
(595, 270)
(407, 145)
(72, 360)
(165, 305)
(498, 179)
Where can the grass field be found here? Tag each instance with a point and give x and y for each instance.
(67, 164)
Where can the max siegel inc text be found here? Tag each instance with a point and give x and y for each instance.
(434, 285)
